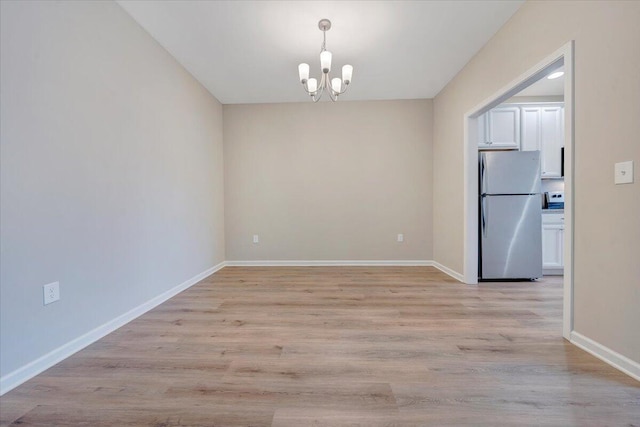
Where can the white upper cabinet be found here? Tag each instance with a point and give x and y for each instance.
(499, 129)
(552, 141)
(530, 129)
(543, 129)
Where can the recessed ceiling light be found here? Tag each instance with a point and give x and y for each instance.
(555, 75)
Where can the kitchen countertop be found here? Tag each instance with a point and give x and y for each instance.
(552, 211)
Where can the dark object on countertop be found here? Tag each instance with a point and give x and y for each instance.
(554, 199)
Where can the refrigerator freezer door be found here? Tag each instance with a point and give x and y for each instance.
(510, 172)
(511, 237)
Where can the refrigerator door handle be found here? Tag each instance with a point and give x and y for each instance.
(482, 177)
(483, 217)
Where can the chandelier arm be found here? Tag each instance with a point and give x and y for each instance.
(326, 78)
(322, 84)
(343, 91)
(318, 93)
(332, 93)
(306, 88)
(344, 85)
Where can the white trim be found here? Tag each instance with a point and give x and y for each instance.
(613, 358)
(446, 270)
(569, 189)
(553, 271)
(470, 194)
(31, 369)
(330, 263)
(535, 103)
(348, 263)
(565, 54)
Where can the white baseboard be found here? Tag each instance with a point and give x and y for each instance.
(30, 370)
(347, 263)
(446, 270)
(329, 263)
(607, 355)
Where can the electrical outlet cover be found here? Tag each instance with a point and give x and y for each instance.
(51, 292)
(624, 172)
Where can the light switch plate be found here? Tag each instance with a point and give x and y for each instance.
(624, 172)
(256, 238)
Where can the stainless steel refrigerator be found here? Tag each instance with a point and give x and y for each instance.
(510, 215)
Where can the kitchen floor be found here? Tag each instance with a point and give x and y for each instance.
(335, 346)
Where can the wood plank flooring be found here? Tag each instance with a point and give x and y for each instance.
(335, 346)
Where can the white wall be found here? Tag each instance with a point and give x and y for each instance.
(111, 173)
(607, 129)
(329, 181)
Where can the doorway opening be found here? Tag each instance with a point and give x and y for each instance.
(560, 59)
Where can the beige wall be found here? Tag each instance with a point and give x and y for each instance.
(607, 130)
(328, 181)
(111, 172)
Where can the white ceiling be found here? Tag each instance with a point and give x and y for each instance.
(249, 51)
(545, 87)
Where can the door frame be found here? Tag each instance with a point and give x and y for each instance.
(563, 56)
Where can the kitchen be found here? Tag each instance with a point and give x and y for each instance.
(521, 165)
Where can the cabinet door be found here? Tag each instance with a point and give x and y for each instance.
(552, 245)
(551, 140)
(530, 125)
(504, 127)
(482, 132)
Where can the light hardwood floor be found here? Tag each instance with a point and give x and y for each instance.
(343, 346)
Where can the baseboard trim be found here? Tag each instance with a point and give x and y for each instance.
(330, 263)
(446, 270)
(348, 263)
(618, 361)
(30, 370)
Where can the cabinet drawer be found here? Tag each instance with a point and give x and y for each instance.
(549, 218)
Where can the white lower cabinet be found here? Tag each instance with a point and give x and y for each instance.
(552, 243)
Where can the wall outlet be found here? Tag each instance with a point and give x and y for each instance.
(256, 238)
(400, 237)
(623, 172)
(51, 292)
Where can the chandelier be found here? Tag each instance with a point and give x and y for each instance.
(334, 86)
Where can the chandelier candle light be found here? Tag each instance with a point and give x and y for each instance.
(334, 86)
